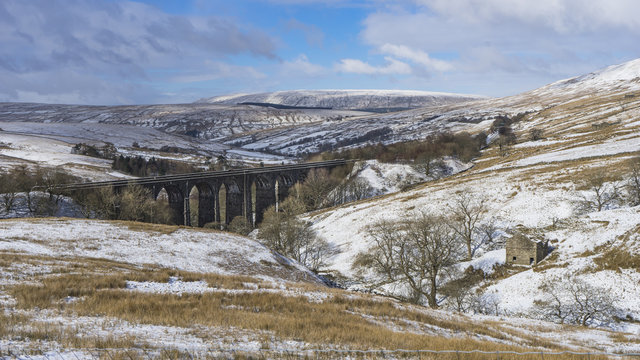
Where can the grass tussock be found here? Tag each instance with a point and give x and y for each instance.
(149, 227)
(616, 259)
(337, 321)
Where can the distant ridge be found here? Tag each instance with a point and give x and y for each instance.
(366, 100)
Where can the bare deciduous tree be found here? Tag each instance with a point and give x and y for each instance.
(8, 192)
(459, 295)
(601, 193)
(240, 225)
(284, 232)
(633, 182)
(315, 188)
(416, 253)
(466, 214)
(572, 300)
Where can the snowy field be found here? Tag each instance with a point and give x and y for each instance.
(39, 251)
(179, 248)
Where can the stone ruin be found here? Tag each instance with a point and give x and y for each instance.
(522, 250)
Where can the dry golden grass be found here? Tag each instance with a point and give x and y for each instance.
(617, 259)
(340, 320)
(343, 320)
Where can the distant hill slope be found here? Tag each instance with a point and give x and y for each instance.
(620, 80)
(366, 100)
(541, 187)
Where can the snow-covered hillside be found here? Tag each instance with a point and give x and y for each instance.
(473, 116)
(539, 187)
(147, 244)
(76, 288)
(386, 178)
(292, 132)
(346, 99)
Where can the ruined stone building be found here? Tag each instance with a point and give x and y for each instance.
(522, 250)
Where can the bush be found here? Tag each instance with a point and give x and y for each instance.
(240, 225)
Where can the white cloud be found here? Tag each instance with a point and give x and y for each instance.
(392, 67)
(109, 43)
(301, 66)
(215, 70)
(560, 15)
(536, 41)
(416, 56)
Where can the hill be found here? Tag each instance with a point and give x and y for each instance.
(572, 184)
(77, 288)
(363, 100)
(544, 187)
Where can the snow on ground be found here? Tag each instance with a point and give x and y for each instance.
(521, 191)
(45, 152)
(180, 248)
(345, 99)
(386, 178)
(486, 261)
(153, 336)
(174, 286)
(30, 150)
(178, 287)
(612, 147)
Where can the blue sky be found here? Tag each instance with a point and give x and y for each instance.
(133, 52)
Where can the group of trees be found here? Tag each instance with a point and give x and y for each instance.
(134, 203)
(139, 166)
(603, 190)
(461, 145)
(34, 188)
(418, 253)
(36, 191)
(284, 231)
(573, 301)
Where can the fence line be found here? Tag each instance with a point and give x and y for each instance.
(176, 353)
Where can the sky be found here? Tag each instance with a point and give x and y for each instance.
(112, 52)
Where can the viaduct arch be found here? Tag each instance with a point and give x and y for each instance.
(222, 195)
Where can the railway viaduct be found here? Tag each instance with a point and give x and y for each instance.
(222, 195)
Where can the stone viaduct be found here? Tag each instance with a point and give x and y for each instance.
(222, 195)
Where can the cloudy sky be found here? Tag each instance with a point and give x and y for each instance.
(134, 52)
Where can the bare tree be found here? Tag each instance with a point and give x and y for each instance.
(27, 180)
(284, 232)
(572, 300)
(381, 258)
(486, 303)
(633, 182)
(136, 204)
(486, 234)
(601, 193)
(240, 225)
(417, 253)
(315, 188)
(352, 190)
(458, 292)
(358, 189)
(8, 192)
(133, 203)
(466, 215)
(49, 180)
(425, 162)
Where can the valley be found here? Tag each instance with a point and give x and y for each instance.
(564, 172)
